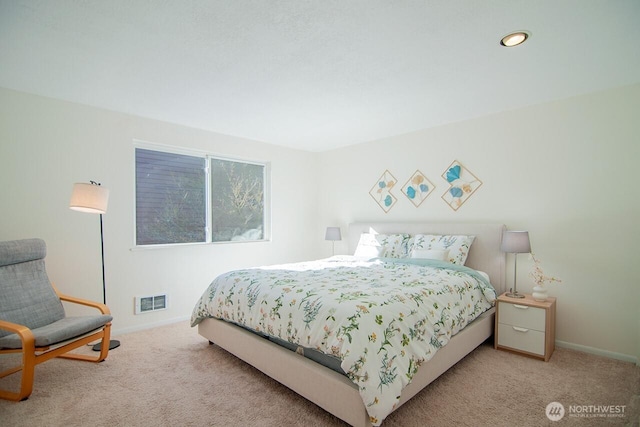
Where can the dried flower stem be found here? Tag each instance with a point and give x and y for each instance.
(538, 275)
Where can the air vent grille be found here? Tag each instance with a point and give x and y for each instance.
(147, 304)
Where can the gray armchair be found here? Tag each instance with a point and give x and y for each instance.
(33, 320)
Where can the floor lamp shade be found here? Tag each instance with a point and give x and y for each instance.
(90, 198)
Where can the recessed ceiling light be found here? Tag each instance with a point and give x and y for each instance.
(514, 39)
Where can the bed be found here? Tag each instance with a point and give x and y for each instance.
(353, 394)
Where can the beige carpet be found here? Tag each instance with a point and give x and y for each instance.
(170, 376)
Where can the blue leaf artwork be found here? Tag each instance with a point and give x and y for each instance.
(453, 173)
(462, 184)
(381, 191)
(417, 188)
(456, 192)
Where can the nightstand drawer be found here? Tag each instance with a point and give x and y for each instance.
(519, 338)
(523, 316)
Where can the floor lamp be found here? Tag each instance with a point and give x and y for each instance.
(333, 234)
(93, 198)
(515, 242)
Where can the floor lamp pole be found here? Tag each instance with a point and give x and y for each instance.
(104, 286)
(113, 343)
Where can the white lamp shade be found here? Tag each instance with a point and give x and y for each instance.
(333, 233)
(516, 242)
(89, 198)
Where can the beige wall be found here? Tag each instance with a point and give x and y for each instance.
(565, 171)
(46, 145)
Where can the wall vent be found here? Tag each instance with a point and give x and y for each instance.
(148, 304)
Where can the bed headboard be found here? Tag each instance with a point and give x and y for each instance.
(484, 255)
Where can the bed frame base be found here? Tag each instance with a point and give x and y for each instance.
(334, 392)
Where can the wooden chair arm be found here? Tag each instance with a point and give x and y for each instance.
(25, 334)
(97, 305)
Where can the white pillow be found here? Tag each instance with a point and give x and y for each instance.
(382, 245)
(437, 254)
(368, 246)
(394, 245)
(458, 246)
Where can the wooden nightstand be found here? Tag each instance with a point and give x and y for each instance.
(526, 326)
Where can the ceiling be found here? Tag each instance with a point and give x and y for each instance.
(315, 74)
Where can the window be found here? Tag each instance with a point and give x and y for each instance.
(183, 197)
(237, 200)
(170, 198)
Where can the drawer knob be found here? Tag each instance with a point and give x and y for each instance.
(522, 307)
(520, 329)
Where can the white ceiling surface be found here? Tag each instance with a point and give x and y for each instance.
(316, 74)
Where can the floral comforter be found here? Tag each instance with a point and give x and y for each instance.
(383, 317)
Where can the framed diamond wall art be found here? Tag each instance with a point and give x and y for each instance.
(462, 184)
(417, 188)
(381, 191)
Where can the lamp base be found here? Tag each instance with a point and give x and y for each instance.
(514, 294)
(112, 344)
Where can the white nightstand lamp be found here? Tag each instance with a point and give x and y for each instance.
(515, 242)
(333, 234)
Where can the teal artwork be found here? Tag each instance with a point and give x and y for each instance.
(381, 191)
(417, 188)
(462, 184)
(453, 173)
(456, 192)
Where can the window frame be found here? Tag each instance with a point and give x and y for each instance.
(207, 156)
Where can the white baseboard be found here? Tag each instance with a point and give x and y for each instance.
(599, 352)
(120, 331)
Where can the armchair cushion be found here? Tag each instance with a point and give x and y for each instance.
(26, 295)
(17, 251)
(59, 331)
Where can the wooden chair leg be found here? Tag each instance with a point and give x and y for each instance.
(30, 360)
(26, 382)
(28, 371)
(28, 366)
